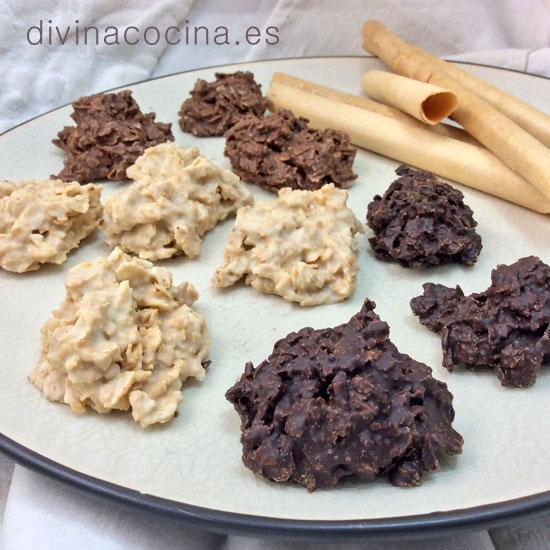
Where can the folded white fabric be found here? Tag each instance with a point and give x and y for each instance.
(44, 514)
(40, 77)
(498, 32)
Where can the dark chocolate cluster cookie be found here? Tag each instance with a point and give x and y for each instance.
(281, 150)
(216, 106)
(505, 328)
(111, 132)
(421, 222)
(341, 403)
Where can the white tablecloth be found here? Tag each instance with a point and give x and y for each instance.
(43, 514)
(507, 33)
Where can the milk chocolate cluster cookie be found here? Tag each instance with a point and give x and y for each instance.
(216, 106)
(111, 132)
(505, 328)
(422, 222)
(341, 403)
(281, 150)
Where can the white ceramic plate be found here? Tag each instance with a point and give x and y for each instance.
(192, 466)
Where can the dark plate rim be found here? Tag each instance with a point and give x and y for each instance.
(417, 526)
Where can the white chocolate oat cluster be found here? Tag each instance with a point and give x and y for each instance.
(300, 246)
(176, 197)
(124, 338)
(41, 221)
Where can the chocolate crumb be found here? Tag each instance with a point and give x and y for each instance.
(111, 132)
(216, 106)
(281, 150)
(343, 403)
(505, 328)
(422, 222)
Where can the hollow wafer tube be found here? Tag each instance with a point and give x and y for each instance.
(528, 117)
(517, 148)
(454, 159)
(282, 79)
(428, 103)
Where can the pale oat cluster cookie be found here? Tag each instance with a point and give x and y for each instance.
(41, 221)
(123, 339)
(176, 197)
(300, 246)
